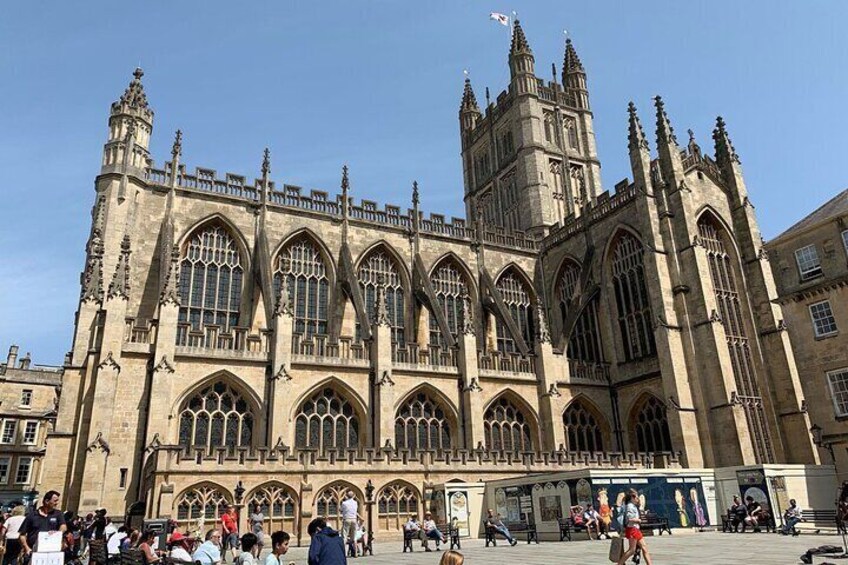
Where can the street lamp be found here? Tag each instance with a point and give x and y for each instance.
(369, 501)
(818, 439)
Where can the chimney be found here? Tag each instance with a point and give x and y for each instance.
(25, 362)
(12, 359)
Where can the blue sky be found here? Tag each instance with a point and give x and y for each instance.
(377, 85)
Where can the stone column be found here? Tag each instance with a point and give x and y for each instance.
(549, 368)
(472, 398)
(281, 354)
(381, 364)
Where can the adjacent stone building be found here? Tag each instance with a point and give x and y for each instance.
(29, 396)
(237, 331)
(810, 261)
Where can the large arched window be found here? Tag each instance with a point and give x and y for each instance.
(396, 502)
(516, 296)
(449, 284)
(421, 423)
(327, 421)
(211, 276)
(328, 503)
(582, 429)
(309, 284)
(724, 277)
(649, 425)
(278, 504)
(584, 344)
(631, 297)
(506, 427)
(380, 268)
(206, 501)
(216, 416)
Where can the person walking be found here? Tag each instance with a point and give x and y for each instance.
(326, 547)
(13, 542)
(257, 524)
(350, 513)
(45, 518)
(279, 547)
(633, 531)
(229, 532)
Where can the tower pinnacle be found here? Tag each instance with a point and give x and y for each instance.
(665, 133)
(724, 150)
(469, 100)
(574, 77)
(636, 135)
(571, 61)
(519, 41)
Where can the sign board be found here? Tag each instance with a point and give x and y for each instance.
(49, 542)
(48, 558)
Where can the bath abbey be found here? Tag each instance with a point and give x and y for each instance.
(244, 341)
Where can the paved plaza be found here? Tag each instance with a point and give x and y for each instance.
(709, 548)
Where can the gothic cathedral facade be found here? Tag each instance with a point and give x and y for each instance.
(243, 332)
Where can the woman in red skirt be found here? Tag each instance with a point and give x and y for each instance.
(632, 531)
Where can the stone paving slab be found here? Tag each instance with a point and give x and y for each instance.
(682, 548)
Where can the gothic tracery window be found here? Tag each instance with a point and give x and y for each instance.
(506, 427)
(396, 502)
(421, 423)
(449, 285)
(723, 276)
(516, 296)
(309, 285)
(510, 201)
(211, 276)
(584, 343)
(649, 426)
(631, 297)
(206, 501)
(328, 503)
(278, 504)
(582, 429)
(380, 266)
(327, 421)
(216, 416)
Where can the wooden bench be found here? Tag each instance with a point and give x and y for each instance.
(728, 526)
(514, 528)
(653, 521)
(567, 527)
(817, 520)
(451, 537)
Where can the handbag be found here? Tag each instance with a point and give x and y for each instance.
(616, 549)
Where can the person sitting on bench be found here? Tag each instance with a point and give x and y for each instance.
(737, 513)
(792, 516)
(432, 532)
(494, 521)
(592, 521)
(413, 528)
(754, 513)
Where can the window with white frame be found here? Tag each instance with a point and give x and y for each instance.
(5, 463)
(824, 323)
(26, 397)
(30, 433)
(838, 382)
(24, 469)
(809, 265)
(9, 429)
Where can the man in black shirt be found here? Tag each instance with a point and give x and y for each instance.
(46, 518)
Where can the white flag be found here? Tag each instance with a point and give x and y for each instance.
(502, 19)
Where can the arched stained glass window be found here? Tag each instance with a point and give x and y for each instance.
(309, 285)
(278, 504)
(216, 416)
(506, 427)
(449, 285)
(396, 502)
(206, 501)
(582, 429)
(723, 276)
(649, 426)
(631, 297)
(328, 503)
(421, 423)
(516, 296)
(380, 266)
(327, 421)
(584, 343)
(211, 276)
